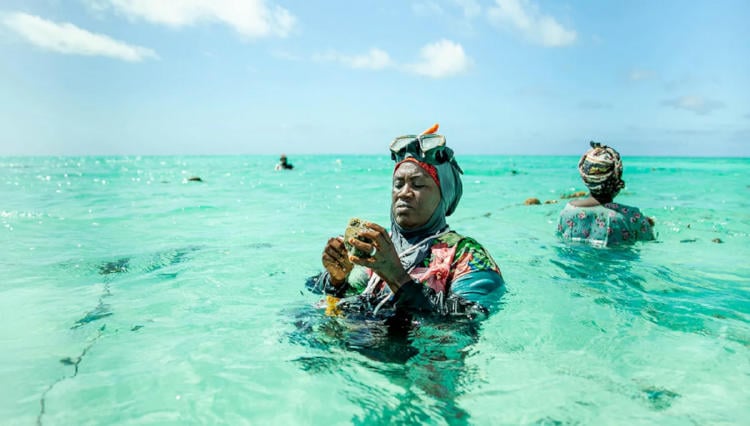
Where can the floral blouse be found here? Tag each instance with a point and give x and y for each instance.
(457, 274)
(602, 226)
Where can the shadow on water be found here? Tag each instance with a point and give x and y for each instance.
(676, 300)
(426, 362)
(108, 271)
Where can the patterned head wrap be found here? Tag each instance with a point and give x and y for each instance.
(601, 170)
(429, 168)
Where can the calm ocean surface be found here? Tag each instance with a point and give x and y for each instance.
(130, 295)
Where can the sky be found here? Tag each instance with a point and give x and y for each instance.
(513, 77)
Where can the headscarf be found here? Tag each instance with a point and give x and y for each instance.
(451, 189)
(429, 168)
(601, 170)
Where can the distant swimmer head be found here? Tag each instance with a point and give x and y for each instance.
(429, 151)
(601, 170)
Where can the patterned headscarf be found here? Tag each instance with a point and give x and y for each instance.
(448, 178)
(429, 168)
(601, 170)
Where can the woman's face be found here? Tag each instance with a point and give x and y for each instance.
(414, 196)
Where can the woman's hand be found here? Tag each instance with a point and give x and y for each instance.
(336, 261)
(383, 259)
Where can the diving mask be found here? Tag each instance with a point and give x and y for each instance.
(429, 148)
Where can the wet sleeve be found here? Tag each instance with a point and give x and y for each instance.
(482, 287)
(321, 284)
(354, 284)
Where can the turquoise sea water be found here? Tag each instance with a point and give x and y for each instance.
(131, 295)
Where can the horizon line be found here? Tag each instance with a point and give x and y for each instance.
(348, 155)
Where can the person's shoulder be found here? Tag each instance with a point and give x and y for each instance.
(474, 255)
(633, 214)
(470, 243)
(462, 242)
(584, 203)
(571, 209)
(623, 208)
(574, 204)
(451, 238)
(570, 206)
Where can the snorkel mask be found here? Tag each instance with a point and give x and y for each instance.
(429, 148)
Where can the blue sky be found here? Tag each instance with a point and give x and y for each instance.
(112, 77)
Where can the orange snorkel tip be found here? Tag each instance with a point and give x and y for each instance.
(431, 130)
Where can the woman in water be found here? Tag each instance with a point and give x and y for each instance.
(598, 220)
(421, 266)
(389, 293)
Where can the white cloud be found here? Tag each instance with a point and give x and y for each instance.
(640, 75)
(524, 17)
(69, 39)
(470, 7)
(427, 8)
(251, 18)
(443, 58)
(375, 59)
(696, 104)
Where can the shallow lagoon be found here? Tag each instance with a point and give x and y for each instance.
(131, 295)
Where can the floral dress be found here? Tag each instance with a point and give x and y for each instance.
(602, 226)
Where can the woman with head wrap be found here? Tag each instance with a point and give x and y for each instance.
(598, 220)
(421, 266)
